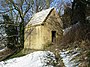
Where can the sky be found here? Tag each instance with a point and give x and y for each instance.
(57, 4)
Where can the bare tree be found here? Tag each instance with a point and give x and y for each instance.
(20, 12)
(17, 9)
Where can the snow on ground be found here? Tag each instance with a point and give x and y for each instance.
(68, 57)
(35, 59)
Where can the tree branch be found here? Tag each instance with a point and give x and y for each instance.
(28, 8)
(6, 11)
(15, 6)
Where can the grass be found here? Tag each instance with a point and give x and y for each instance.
(17, 54)
(21, 53)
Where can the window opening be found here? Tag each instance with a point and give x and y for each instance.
(53, 36)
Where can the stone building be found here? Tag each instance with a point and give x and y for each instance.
(44, 28)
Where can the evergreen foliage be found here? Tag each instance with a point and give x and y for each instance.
(11, 31)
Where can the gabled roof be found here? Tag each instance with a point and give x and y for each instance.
(40, 17)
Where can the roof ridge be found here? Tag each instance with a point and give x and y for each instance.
(40, 17)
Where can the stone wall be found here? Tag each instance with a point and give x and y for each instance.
(40, 36)
(54, 23)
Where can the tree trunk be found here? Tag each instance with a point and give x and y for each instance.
(22, 34)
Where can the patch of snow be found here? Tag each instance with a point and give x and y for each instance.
(3, 49)
(88, 17)
(35, 59)
(68, 57)
(65, 31)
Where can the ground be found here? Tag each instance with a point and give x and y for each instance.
(73, 54)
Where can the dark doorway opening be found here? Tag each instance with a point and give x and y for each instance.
(53, 36)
